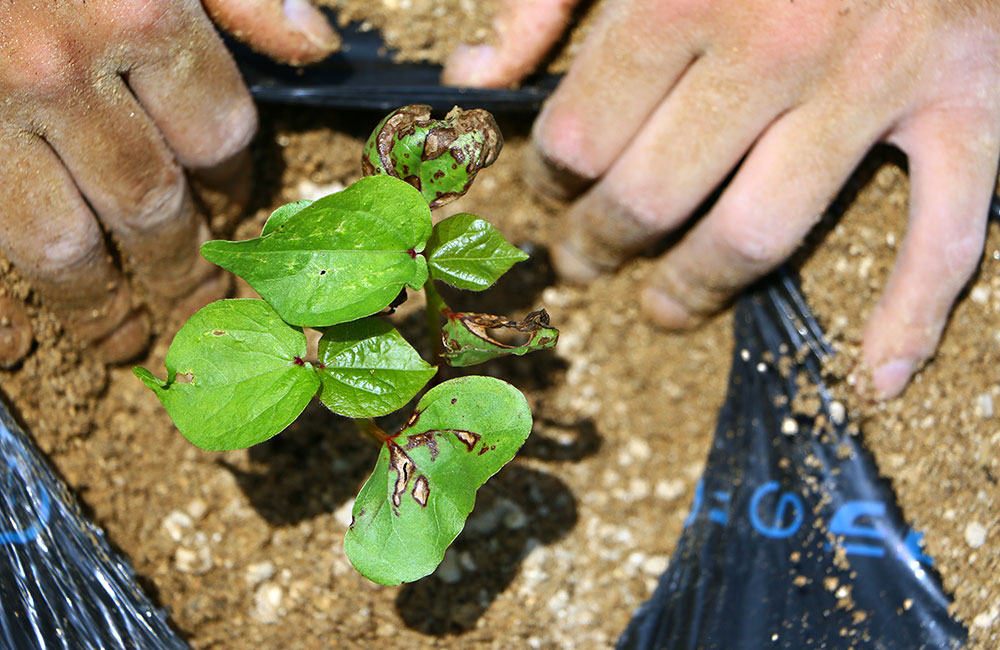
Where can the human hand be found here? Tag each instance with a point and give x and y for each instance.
(666, 98)
(102, 106)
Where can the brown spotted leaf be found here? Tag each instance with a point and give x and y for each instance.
(424, 485)
(438, 157)
(467, 339)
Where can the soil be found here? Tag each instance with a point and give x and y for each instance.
(420, 30)
(429, 30)
(244, 548)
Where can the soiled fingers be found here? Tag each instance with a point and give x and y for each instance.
(95, 145)
(524, 33)
(50, 234)
(953, 168)
(292, 31)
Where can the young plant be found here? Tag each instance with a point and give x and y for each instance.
(238, 371)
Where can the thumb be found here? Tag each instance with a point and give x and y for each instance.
(525, 31)
(291, 31)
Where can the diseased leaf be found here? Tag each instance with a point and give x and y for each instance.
(242, 378)
(425, 480)
(467, 252)
(341, 258)
(368, 369)
(282, 214)
(467, 340)
(438, 157)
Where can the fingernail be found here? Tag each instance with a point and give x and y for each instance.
(665, 310)
(126, 342)
(572, 266)
(547, 178)
(311, 23)
(470, 65)
(891, 377)
(215, 287)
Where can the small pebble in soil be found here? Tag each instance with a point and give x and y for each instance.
(837, 412)
(194, 557)
(986, 619)
(449, 571)
(514, 518)
(979, 295)
(975, 534)
(467, 561)
(267, 603)
(638, 449)
(176, 523)
(197, 508)
(344, 515)
(487, 520)
(655, 565)
(258, 572)
(308, 190)
(555, 297)
(984, 405)
(669, 489)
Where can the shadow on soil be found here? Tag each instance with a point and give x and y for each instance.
(321, 462)
(516, 511)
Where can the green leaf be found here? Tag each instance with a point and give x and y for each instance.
(467, 252)
(282, 214)
(368, 369)
(467, 340)
(242, 377)
(424, 485)
(343, 257)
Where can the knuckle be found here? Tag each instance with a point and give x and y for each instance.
(144, 17)
(963, 256)
(746, 242)
(45, 69)
(642, 205)
(158, 205)
(691, 291)
(72, 249)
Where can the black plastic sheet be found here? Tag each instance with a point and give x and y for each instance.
(61, 584)
(364, 75)
(793, 540)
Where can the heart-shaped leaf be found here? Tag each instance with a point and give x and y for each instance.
(467, 252)
(466, 338)
(235, 375)
(341, 258)
(368, 369)
(425, 480)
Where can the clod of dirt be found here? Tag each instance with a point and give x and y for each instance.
(15, 332)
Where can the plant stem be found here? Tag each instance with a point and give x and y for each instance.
(368, 426)
(435, 307)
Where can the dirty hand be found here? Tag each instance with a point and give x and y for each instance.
(665, 99)
(101, 106)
